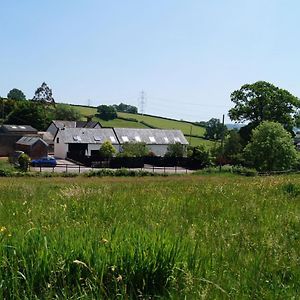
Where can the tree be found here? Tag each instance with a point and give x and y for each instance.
(271, 148)
(107, 150)
(66, 112)
(126, 108)
(134, 150)
(106, 112)
(233, 148)
(201, 154)
(262, 101)
(215, 129)
(29, 113)
(175, 150)
(16, 95)
(43, 94)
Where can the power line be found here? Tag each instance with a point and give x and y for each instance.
(142, 102)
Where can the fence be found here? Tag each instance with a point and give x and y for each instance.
(136, 162)
(77, 168)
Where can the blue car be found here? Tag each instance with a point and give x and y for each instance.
(44, 162)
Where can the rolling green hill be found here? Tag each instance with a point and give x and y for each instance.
(194, 133)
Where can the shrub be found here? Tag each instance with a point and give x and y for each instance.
(24, 161)
(291, 189)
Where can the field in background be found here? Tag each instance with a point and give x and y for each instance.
(212, 237)
(146, 121)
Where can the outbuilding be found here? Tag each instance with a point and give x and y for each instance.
(10, 134)
(33, 146)
(156, 140)
(72, 142)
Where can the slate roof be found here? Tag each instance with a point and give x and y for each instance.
(74, 124)
(150, 136)
(18, 128)
(46, 136)
(87, 136)
(30, 140)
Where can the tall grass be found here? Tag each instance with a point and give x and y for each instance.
(211, 237)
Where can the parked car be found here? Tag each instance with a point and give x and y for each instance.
(44, 162)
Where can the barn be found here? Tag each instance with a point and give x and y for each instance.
(33, 146)
(156, 140)
(82, 141)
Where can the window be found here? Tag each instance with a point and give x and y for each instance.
(138, 139)
(125, 139)
(57, 140)
(152, 139)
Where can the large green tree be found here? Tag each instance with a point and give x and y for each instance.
(106, 112)
(215, 130)
(271, 148)
(30, 113)
(16, 95)
(262, 101)
(66, 112)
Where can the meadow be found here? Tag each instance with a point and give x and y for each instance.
(176, 237)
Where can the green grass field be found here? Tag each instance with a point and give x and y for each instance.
(184, 237)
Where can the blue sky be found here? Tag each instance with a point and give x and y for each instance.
(188, 56)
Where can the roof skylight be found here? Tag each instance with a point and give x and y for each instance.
(125, 139)
(97, 138)
(77, 138)
(138, 139)
(152, 139)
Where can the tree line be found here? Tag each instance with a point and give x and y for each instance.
(266, 141)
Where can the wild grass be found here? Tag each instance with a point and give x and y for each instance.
(191, 237)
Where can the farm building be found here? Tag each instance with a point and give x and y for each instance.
(58, 124)
(33, 146)
(157, 140)
(82, 141)
(48, 138)
(10, 134)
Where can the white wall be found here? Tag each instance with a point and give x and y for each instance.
(60, 149)
(158, 150)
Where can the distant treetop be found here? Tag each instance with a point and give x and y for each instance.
(44, 94)
(126, 108)
(16, 94)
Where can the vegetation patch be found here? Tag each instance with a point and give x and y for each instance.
(187, 237)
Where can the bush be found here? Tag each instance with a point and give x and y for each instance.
(5, 173)
(244, 171)
(24, 161)
(175, 150)
(292, 189)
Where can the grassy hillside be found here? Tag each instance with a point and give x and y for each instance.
(152, 121)
(187, 237)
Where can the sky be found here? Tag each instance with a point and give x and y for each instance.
(188, 56)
